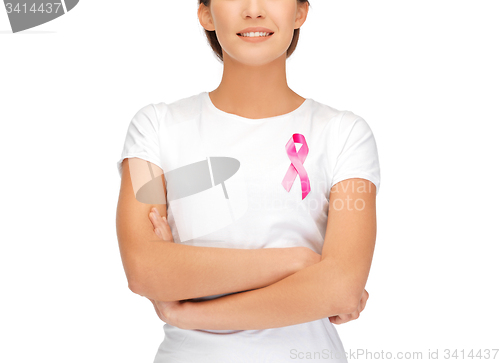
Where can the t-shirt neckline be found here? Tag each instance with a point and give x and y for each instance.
(211, 106)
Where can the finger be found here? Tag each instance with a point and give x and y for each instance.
(158, 215)
(161, 223)
(156, 308)
(362, 305)
(340, 319)
(164, 228)
(157, 225)
(159, 233)
(157, 220)
(153, 219)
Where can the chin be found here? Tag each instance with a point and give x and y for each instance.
(256, 58)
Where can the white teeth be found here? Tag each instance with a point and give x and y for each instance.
(255, 34)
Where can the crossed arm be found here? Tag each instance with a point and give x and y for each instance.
(299, 298)
(332, 286)
(324, 289)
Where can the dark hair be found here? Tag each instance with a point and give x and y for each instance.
(214, 42)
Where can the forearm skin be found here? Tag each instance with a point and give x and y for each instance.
(171, 271)
(313, 293)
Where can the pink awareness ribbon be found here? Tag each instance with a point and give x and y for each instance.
(297, 167)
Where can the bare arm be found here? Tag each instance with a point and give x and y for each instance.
(333, 286)
(179, 272)
(168, 271)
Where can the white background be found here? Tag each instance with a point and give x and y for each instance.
(424, 75)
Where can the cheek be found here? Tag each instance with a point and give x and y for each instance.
(284, 18)
(221, 15)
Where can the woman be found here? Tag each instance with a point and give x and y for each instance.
(272, 243)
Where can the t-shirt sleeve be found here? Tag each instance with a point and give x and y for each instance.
(141, 140)
(357, 154)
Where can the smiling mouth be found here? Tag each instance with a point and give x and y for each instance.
(255, 34)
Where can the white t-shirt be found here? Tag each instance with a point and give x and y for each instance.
(226, 177)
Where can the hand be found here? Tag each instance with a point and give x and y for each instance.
(167, 310)
(308, 258)
(344, 318)
(160, 226)
(164, 309)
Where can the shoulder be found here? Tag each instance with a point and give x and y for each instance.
(340, 122)
(335, 116)
(180, 109)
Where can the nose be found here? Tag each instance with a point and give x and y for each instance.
(253, 9)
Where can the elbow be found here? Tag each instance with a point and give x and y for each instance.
(147, 286)
(146, 279)
(343, 291)
(136, 284)
(136, 287)
(343, 304)
(346, 302)
(352, 305)
(134, 276)
(342, 300)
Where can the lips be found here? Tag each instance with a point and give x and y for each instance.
(255, 29)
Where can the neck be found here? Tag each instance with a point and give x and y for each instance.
(255, 91)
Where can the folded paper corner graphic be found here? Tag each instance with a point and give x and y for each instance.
(70, 4)
(206, 196)
(26, 14)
